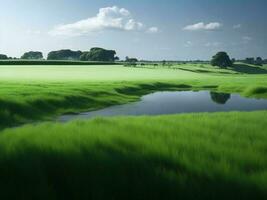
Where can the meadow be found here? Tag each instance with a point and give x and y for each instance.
(189, 156)
(32, 93)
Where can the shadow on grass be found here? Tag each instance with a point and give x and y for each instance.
(247, 69)
(142, 89)
(205, 71)
(116, 172)
(15, 113)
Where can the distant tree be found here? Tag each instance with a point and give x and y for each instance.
(265, 61)
(99, 54)
(3, 57)
(65, 54)
(84, 56)
(221, 59)
(32, 55)
(220, 98)
(131, 60)
(233, 60)
(116, 58)
(164, 62)
(250, 61)
(259, 61)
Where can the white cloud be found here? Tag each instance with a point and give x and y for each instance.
(213, 44)
(153, 30)
(188, 44)
(246, 39)
(202, 26)
(132, 25)
(237, 26)
(109, 18)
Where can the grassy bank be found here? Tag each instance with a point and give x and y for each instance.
(30, 93)
(196, 156)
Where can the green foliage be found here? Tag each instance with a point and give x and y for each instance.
(99, 54)
(3, 57)
(250, 61)
(259, 61)
(64, 54)
(32, 55)
(197, 156)
(221, 59)
(53, 62)
(131, 60)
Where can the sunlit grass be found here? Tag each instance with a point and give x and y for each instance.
(30, 93)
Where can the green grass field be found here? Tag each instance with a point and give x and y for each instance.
(39, 92)
(195, 156)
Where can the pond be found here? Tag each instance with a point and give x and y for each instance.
(161, 103)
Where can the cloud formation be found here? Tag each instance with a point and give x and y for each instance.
(202, 26)
(213, 44)
(237, 26)
(246, 39)
(188, 44)
(109, 18)
(153, 30)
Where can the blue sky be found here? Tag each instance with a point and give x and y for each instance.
(147, 29)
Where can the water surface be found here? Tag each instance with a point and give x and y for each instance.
(161, 103)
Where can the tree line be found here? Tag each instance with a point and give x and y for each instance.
(95, 54)
(221, 59)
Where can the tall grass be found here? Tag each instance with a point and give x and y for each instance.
(196, 156)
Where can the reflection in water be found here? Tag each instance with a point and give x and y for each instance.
(220, 98)
(161, 103)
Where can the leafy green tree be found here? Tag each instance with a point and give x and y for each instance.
(221, 59)
(131, 60)
(32, 55)
(250, 61)
(65, 54)
(3, 57)
(259, 61)
(233, 60)
(99, 54)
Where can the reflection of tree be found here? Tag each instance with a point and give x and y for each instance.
(220, 98)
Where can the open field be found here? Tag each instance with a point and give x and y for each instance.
(194, 156)
(38, 92)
